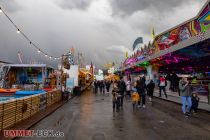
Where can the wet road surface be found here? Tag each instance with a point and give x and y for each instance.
(90, 117)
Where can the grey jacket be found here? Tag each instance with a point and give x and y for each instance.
(185, 90)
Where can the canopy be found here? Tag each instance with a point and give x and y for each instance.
(112, 77)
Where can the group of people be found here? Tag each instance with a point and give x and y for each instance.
(136, 91)
(102, 86)
(189, 100)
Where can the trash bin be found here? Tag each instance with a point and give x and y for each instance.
(77, 91)
(65, 95)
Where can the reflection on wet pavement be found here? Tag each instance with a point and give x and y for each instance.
(90, 117)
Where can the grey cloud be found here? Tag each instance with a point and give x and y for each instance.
(128, 7)
(56, 30)
(10, 5)
(75, 4)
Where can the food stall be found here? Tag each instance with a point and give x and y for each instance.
(23, 77)
(85, 79)
(112, 77)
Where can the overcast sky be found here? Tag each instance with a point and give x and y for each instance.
(101, 29)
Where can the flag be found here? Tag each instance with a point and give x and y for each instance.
(20, 57)
(153, 33)
(72, 50)
(126, 54)
(91, 69)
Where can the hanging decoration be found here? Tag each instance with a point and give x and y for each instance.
(27, 38)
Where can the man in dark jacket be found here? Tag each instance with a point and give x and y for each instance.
(122, 89)
(150, 89)
(141, 91)
(107, 83)
(96, 87)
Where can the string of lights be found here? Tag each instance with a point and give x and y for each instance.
(28, 39)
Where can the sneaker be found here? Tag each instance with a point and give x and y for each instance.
(144, 106)
(150, 99)
(186, 115)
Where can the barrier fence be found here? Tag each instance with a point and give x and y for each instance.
(17, 110)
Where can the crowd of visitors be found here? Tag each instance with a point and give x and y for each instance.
(138, 89)
(102, 86)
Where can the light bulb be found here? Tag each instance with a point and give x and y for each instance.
(0, 10)
(38, 51)
(45, 55)
(50, 57)
(18, 31)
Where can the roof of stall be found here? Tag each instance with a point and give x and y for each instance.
(25, 65)
(181, 24)
(183, 46)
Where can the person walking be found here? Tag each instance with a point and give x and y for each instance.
(135, 97)
(186, 93)
(150, 89)
(122, 88)
(128, 88)
(116, 98)
(195, 102)
(103, 86)
(162, 86)
(140, 86)
(175, 82)
(108, 84)
(95, 87)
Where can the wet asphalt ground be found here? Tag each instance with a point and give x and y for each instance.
(90, 117)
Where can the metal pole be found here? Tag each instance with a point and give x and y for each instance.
(61, 70)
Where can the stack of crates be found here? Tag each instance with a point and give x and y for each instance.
(9, 111)
(35, 104)
(19, 106)
(14, 111)
(27, 105)
(59, 98)
(1, 115)
(49, 99)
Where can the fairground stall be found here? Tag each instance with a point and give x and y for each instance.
(23, 92)
(182, 50)
(85, 79)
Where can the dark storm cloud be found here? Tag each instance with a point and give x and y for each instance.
(128, 7)
(74, 4)
(10, 5)
(101, 37)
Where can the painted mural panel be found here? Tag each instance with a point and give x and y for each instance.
(197, 26)
(200, 25)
